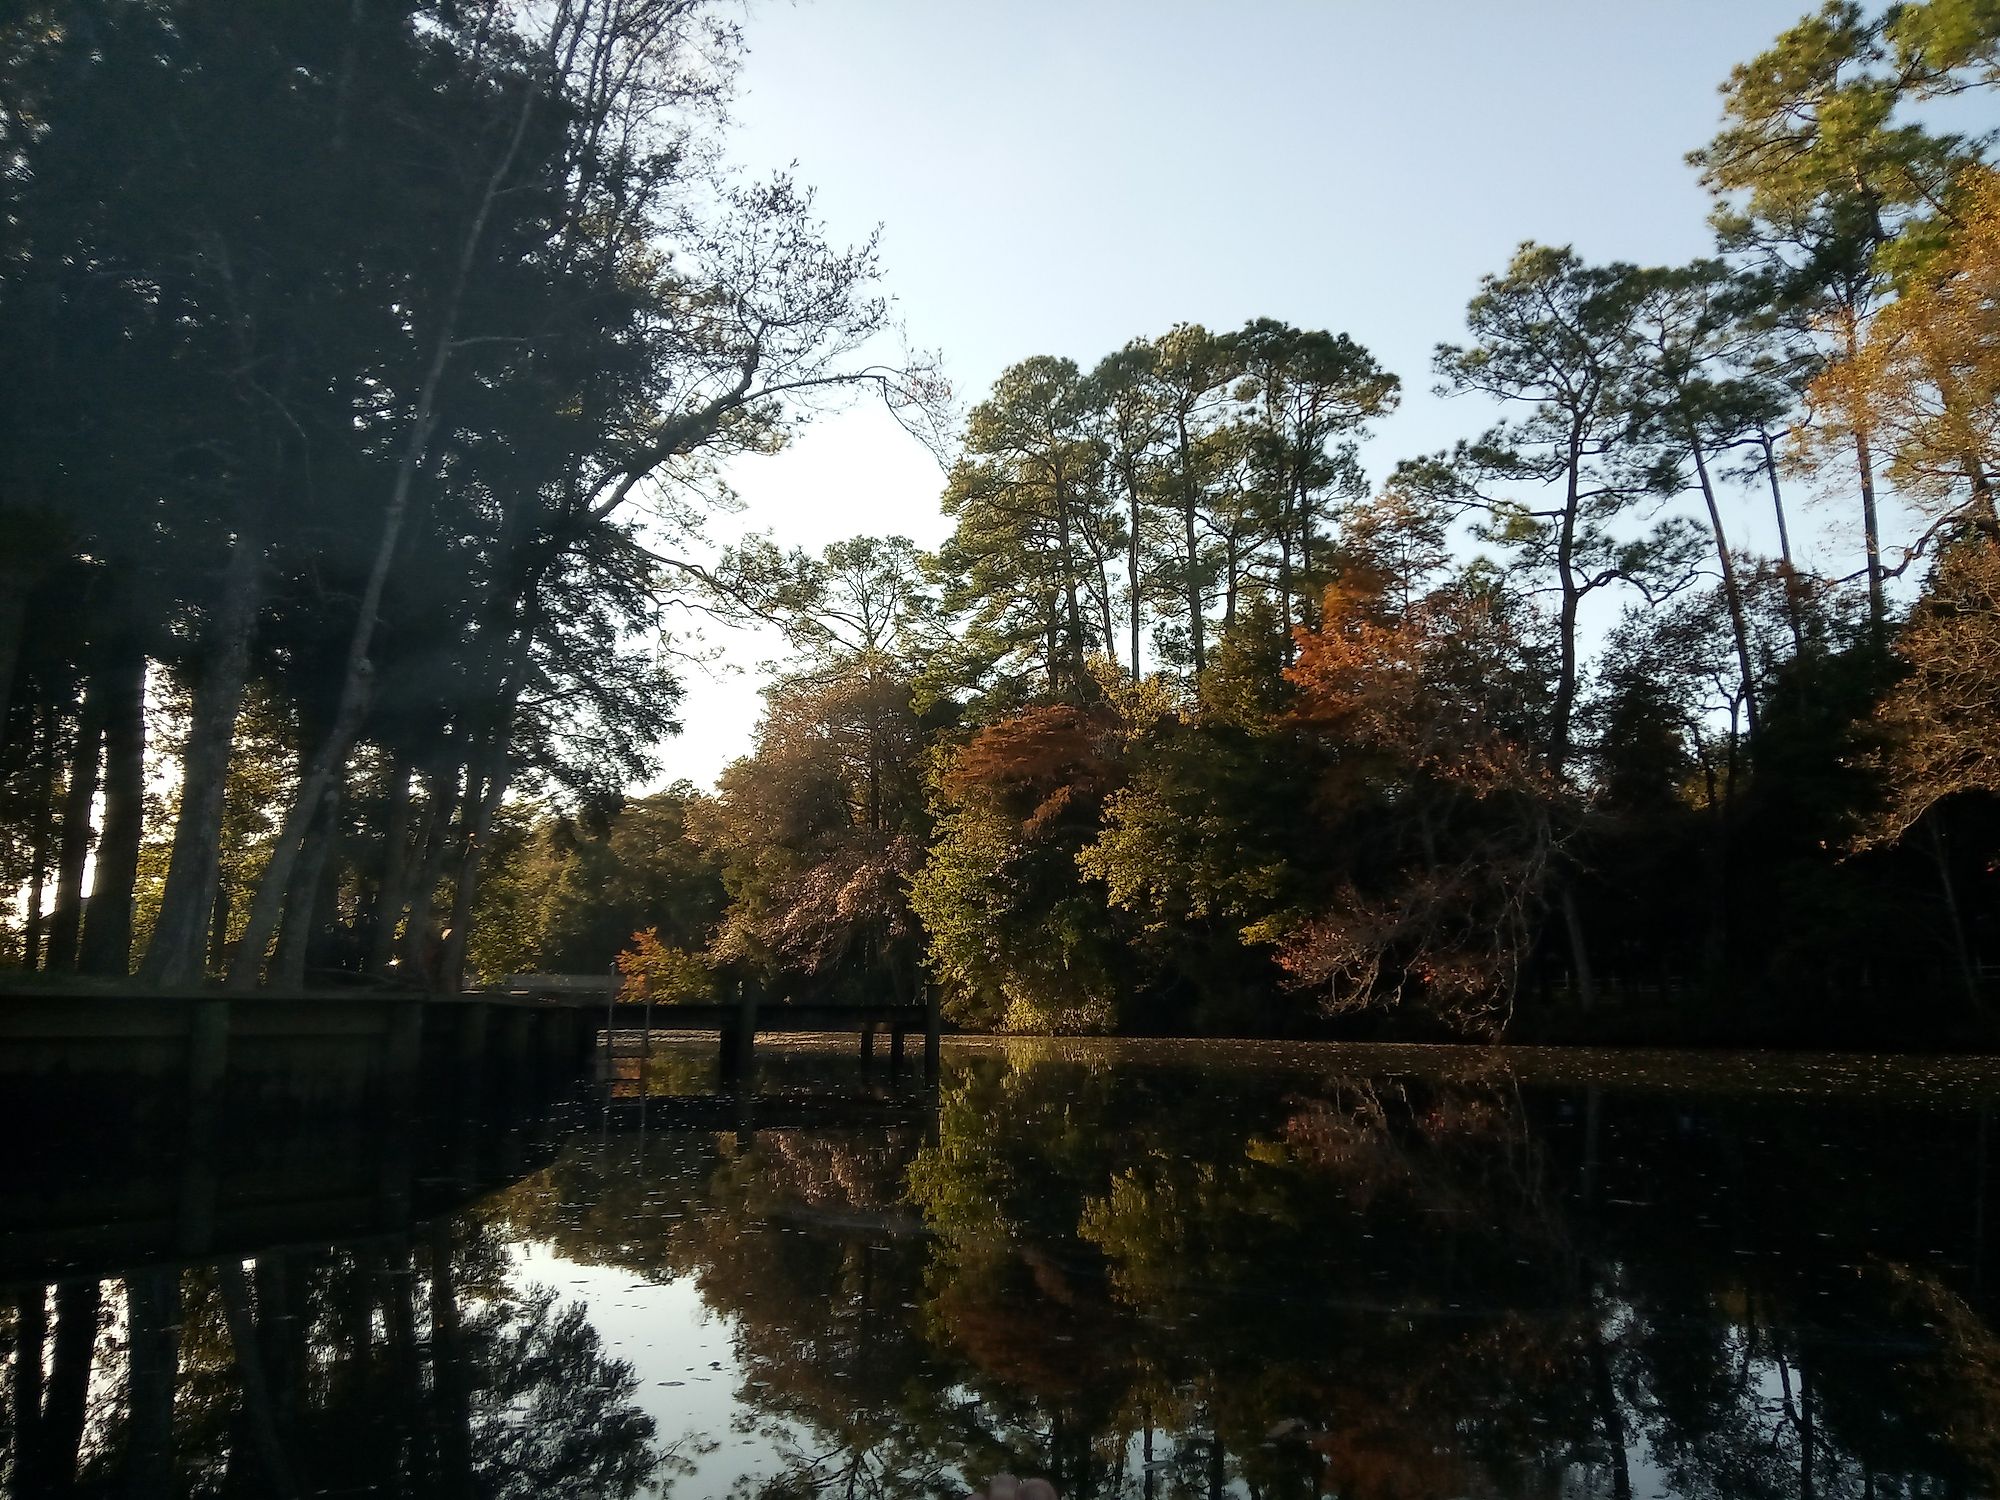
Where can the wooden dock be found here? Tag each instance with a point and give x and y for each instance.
(737, 1022)
(323, 1049)
(185, 1126)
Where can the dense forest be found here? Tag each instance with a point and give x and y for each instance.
(351, 464)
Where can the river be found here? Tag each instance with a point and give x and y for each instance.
(1140, 1269)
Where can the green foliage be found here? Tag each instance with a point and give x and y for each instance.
(564, 899)
(325, 443)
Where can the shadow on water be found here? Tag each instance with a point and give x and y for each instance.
(1166, 1271)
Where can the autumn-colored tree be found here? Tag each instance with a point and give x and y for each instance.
(819, 829)
(1435, 787)
(1926, 378)
(1942, 717)
(1017, 934)
(650, 969)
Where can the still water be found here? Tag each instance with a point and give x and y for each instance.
(1140, 1270)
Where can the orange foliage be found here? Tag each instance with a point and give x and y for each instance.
(1425, 714)
(1418, 688)
(1038, 763)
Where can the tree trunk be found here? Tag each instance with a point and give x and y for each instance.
(79, 801)
(174, 955)
(1285, 583)
(274, 885)
(489, 771)
(1871, 526)
(445, 797)
(1072, 613)
(1579, 952)
(67, 1403)
(41, 841)
(1565, 704)
(219, 913)
(477, 820)
(1793, 615)
(1308, 611)
(1132, 565)
(13, 620)
(1864, 461)
(1197, 642)
(1732, 595)
(106, 947)
(392, 891)
(1968, 971)
(31, 1332)
(286, 882)
(305, 910)
(1191, 540)
(1235, 565)
(152, 1320)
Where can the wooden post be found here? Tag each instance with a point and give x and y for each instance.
(746, 1025)
(895, 1049)
(471, 1033)
(646, 1049)
(402, 1055)
(208, 1064)
(933, 1027)
(611, 1028)
(402, 1042)
(867, 1042)
(208, 1052)
(739, 1041)
(471, 1049)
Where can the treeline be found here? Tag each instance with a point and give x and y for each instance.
(365, 371)
(1187, 726)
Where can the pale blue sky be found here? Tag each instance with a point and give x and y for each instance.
(1057, 178)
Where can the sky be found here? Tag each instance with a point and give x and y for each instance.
(1058, 178)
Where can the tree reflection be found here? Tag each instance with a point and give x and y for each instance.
(1139, 1280)
(1371, 1287)
(403, 1369)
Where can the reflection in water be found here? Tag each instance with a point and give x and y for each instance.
(1188, 1274)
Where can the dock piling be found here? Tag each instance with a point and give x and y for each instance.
(933, 1027)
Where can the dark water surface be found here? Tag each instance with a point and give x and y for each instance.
(1171, 1270)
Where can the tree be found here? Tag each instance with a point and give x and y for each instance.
(1926, 378)
(1310, 394)
(1124, 387)
(1435, 789)
(396, 405)
(1815, 168)
(1017, 937)
(1691, 399)
(1944, 734)
(653, 971)
(1035, 529)
(1552, 337)
(818, 831)
(566, 894)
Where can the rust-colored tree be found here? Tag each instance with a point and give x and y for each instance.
(1942, 722)
(1433, 791)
